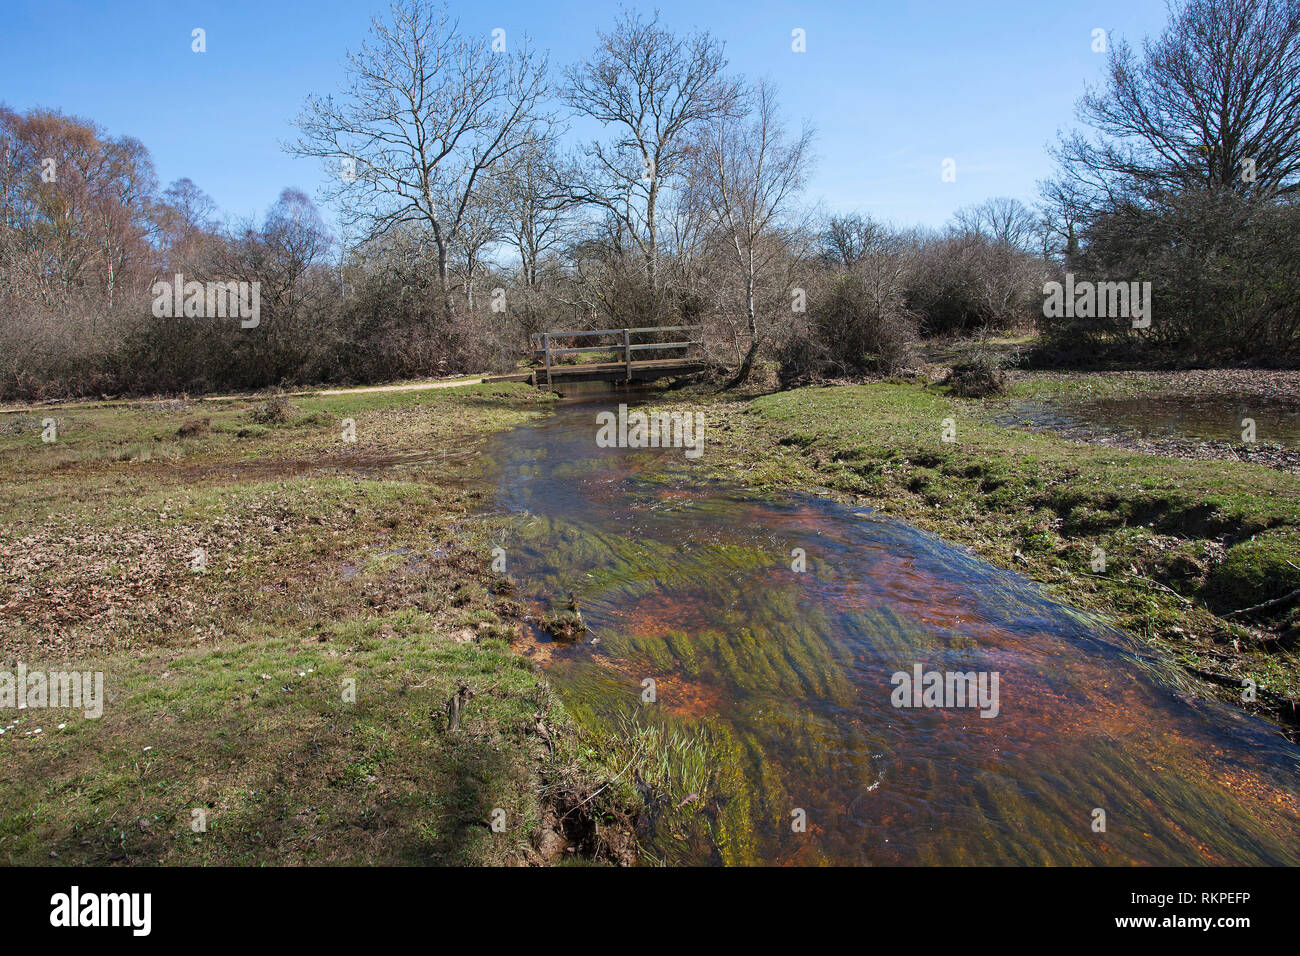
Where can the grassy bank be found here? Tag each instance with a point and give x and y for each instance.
(1185, 543)
(282, 617)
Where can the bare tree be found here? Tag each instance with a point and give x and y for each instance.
(77, 206)
(651, 87)
(482, 225)
(1002, 219)
(1063, 211)
(537, 206)
(123, 194)
(846, 240)
(1214, 102)
(186, 215)
(747, 172)
(427, 114)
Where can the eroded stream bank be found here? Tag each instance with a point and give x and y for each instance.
(772, 686)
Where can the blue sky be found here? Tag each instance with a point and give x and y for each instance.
(892, 87)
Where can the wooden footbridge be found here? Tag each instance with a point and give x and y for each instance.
(629, 357)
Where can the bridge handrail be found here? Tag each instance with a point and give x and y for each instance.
(588, 332)
(639, 347)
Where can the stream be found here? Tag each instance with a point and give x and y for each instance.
(780, 686)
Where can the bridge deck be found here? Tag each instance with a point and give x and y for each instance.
(604, 372)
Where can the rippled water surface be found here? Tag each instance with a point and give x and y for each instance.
(787, 677)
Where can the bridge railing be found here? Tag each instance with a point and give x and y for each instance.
(544, 348)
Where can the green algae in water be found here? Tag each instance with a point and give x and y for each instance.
(780, 681)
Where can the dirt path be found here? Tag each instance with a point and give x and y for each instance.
(401, 387)
(106, 403)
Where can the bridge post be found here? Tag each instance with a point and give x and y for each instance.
(627, 352)
(546, 346)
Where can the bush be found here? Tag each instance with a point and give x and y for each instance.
(978, 378)
(274, 411)
(194, 427)
(851, 330)
(1225, 284)
(966, 281)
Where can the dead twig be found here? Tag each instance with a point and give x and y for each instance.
(1285, 598)
(546, 735)
(636, 753)
(1138, 577)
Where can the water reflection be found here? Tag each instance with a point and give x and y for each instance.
(1213, 417)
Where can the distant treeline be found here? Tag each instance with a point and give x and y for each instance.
(474, 229)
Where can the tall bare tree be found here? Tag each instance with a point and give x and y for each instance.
(77, 206)
(1063, 208)
(748, 172)
(1003, 219)
(650, 88)
(537, 207)
(846, 240)
(186, 214)
(482, 225)
(428, 112)
(1213, 103)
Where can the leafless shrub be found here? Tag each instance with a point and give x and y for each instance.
(198, 426)
(276, 410)
(851, 330)
(977, 378)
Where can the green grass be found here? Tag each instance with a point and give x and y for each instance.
(258, 737)
(325, 561)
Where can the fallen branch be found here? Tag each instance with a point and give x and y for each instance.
(1267, 604)
(1162, 587)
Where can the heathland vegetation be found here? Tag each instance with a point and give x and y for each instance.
(473, 226)
(339, 537)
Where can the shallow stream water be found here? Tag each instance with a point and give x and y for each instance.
(787, 676)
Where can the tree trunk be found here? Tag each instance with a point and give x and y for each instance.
(653, 252)
(444, 280)
(746, 367)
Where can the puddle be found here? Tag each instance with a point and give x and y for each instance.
(1211, 417)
